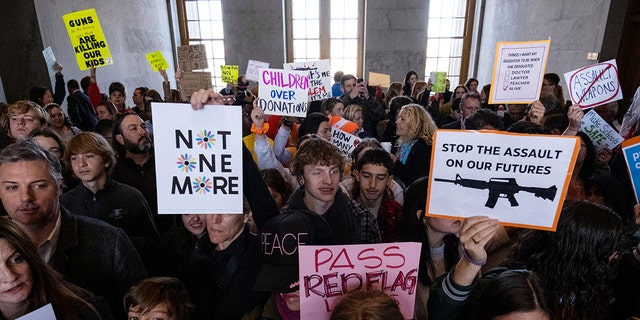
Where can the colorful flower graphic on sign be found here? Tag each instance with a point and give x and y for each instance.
(202, 185)
(205, 139)
(186, 163)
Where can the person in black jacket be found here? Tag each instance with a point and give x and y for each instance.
(91, 158)
(415, 130)
(225, 265)
(79, 108)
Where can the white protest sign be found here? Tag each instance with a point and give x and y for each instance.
(198, 157)
(284, 92)
(517, 178)
(594, 85)
(344, 141)
(50, 59)
(327, 273)
(319, 77)
(253, 69)
(517, 71)
(601, 133)
(43, 313)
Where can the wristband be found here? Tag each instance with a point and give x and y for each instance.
(466, 256)
(265, 128)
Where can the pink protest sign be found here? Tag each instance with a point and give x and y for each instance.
(327, 273)
(594, 85)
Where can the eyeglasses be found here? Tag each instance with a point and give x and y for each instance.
(229, 99)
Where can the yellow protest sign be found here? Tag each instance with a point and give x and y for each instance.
(87, 39)
(156, 60)
(439, 81)
(229, 73)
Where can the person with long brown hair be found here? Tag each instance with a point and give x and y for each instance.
(28, 283)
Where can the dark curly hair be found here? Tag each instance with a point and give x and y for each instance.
(575, 260)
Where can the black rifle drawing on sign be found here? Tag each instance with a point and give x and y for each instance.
(502, 188)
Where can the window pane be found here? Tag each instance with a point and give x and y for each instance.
(432, 47)
(351, 9)
(457, 27)
(435, 8)
(313, 29)
(216, 10)
(456, 47)
(313, 49)
(299, 48)
(454, 67)
(194, 29)
(218, 49)
(351, 28)
(217, 30)
(445, 47)
(204, 10)
(299, 29)
(351, 48)
(312, 9)
(337, 49)
(337, 28)
(205, 30)
(434, 27)
(337, 9)
(431, 65)
(192, 10)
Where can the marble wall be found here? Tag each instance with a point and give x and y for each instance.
(132, 29)
(396, 37)
(395, 32)
(22, 65)
(575, 28)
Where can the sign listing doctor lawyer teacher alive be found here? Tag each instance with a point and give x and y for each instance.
(199, 162)
(519, 179)
(518, 70)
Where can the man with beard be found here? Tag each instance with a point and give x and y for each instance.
(135, 165)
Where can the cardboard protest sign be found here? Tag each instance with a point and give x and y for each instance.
(517, 71)
(253, 69)
(631, 151)
(344, 141)
(156, 60)
(319, 77)
(192, 57)
(327, 273)
(601, 133)
(199, 162)
(594, 85)
(439, 81)
(87, 39)
(379, 79)
(43, 313)
(229, 74)
(50, 59)
(519, 179)
(194, 81)
(284, 92)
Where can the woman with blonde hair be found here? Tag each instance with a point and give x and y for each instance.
(415, 129)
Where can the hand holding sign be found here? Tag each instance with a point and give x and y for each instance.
(474, 235)
(202, 97)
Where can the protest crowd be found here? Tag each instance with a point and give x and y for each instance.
(81, 228)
